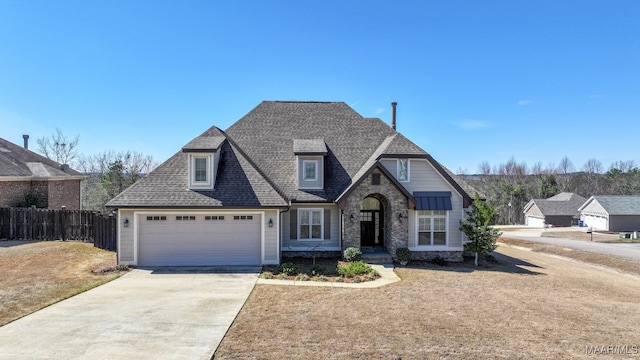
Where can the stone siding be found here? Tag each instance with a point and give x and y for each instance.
(395, 209)
(451, 256)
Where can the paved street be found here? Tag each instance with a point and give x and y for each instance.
(626, 250)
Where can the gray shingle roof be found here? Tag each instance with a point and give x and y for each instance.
(560, 204)
(238, 185)
(259, 158)
(16, 161)
(205, 143)
(619, 204)
(309, 146)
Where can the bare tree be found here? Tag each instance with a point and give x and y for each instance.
(565, 166)
(58, 147)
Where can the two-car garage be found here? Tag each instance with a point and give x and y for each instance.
(198, 239)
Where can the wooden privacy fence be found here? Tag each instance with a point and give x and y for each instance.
(47, 224)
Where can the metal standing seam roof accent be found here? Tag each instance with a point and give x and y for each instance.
(433, 200)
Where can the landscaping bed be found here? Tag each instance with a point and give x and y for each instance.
(321, 270)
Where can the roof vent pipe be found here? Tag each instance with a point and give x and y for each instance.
(393, 114)
(26, 141)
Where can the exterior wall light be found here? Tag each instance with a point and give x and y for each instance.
(400, 216)
(126, 222)
(270, 222)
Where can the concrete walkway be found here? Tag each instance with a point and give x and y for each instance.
(387, 276)
(625, 250)
(167, 313)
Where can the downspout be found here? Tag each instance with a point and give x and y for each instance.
(280, 230)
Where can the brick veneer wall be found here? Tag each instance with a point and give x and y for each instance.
(394, 203)
(54, 193)
(12, 192)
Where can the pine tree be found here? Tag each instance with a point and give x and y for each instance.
(477, 226)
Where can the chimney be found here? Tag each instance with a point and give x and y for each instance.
(393, 114)
(26, 141)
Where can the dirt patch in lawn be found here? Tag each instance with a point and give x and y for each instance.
(531, 305)
(38, 274)
(614, 262)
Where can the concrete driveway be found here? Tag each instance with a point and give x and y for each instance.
(165, 313)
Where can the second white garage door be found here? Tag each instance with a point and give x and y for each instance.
(534, 221)
(199, 239)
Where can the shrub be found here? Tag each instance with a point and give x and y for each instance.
(302, 277)
(282, 276)
(318, 270)
(338, 279)
(438, 260)
(122, 268)
(371, 275)
(352, 254)
(354, 268)
(320, 278)
(288, 268)
(403, 254)
(266, 275)
(355, 279)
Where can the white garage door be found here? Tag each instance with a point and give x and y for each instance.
(199, 239)
(596, 222)
(535, 222)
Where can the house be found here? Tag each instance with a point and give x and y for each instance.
(291, 179)
(27, 178)
(611, 213)
(558, 210)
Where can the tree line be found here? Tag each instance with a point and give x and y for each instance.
(108, 172)
(510, 185)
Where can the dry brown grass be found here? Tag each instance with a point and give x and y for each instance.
(614, 262)
(531, 305)
(579, 235)
(38, 274)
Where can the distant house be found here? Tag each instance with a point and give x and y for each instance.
(612, 213)
(558, 210)
(28, 178)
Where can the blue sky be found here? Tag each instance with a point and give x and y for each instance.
(474, 80)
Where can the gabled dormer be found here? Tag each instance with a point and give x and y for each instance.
(310, 154)
(203, 157)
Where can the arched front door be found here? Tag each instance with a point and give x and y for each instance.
(371, 223)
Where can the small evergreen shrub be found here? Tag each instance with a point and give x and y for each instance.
(320, 278)
(352, 254)
(302, 277)
(266, 275)
(122, 268)
(438, 260)
(288, 268)
(282, 276)
(354, 268)
(403, 255)
(318, 270)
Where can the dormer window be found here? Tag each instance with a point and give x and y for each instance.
(201, 171)
(310, 172)
(203, 157)
(403, 169)
(310, 155)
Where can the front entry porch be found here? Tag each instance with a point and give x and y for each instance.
(376, 256)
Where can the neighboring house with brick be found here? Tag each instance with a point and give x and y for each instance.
(28, 178)
(292, 179)
(611, 212)
(558, 210)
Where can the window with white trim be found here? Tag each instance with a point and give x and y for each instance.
(201, 171)
(403, 169)
(310, 223)
(309, 170)
(432, 228)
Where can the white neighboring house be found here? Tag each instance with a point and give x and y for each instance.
(558, 210)
(611, 213)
